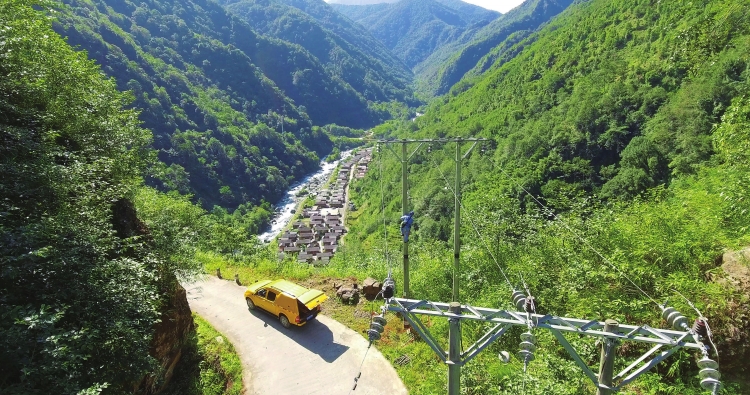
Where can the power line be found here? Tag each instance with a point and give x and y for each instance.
(549, 211)
(484, 242)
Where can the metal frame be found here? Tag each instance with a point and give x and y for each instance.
(504, 319)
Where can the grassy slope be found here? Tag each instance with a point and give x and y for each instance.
(209, 366)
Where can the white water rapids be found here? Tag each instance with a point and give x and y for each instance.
(313, 183)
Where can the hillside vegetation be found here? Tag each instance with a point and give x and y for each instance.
(216, 95)
(83, 281)
(626, 119)
(414, 29)
(478, 49)
(346, 50)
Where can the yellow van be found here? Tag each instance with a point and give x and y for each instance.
(292, 303)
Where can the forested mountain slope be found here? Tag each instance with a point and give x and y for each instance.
(414, 29)
(214, 92)
(628, 120)
(83, 283)
(346, 50)
(610, 98)
(482, 47)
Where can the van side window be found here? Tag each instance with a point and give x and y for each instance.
(262, 292)
(271, 296)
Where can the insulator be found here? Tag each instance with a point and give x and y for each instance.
(389, 288)
(711, 384)
(709, 372)
(429, 148)
(519, 299)
(528, 346)
(674, 318)
(526, 354)
(699, 327)
(380, 320)
(373, 335)
(531, 306)
(528, 337)
(709, 363)
(377, 327)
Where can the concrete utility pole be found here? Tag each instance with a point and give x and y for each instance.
(404, 158)
(607, 362)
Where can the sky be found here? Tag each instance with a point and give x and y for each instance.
(497, 5)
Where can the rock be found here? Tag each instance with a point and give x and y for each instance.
(348, 294)
(170, 336)
(730, 325)
(371, 288)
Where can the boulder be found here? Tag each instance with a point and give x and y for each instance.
(371, 288)
(348, 294)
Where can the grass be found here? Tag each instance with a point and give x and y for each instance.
(209, 365)
(430, 376)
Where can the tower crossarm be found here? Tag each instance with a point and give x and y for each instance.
(584, 327)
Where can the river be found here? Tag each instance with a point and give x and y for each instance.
(289, 203)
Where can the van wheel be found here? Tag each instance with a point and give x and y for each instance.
(250, 304)
(284, 321)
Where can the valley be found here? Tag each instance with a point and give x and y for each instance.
(149, 143)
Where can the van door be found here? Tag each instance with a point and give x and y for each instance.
(271, 297)
(262, 299)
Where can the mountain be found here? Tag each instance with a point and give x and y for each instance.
(618, 142)
(479, 47)
(346, 50)
(414, 29)
(216, 94)
(611, 106)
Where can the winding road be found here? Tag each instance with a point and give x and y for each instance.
(322, 357)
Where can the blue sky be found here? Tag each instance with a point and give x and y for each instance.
(497, 5)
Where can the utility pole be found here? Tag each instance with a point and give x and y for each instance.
(404, 210)
(664, 341)
(457, 213)
(404, 158)
(607, 362)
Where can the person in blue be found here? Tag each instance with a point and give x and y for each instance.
(406, 223)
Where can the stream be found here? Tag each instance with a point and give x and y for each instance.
(284, 208)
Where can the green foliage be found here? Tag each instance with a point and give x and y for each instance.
(209, 365)
(626, 111)
(630, 121)
(414, 29)
(79, 289)
(475, 51)
(216, 98)
(345, 49)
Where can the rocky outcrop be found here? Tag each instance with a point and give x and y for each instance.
(170, 335)
(348, 294)
(176, 321)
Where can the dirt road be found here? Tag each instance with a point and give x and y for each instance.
(322, 357)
